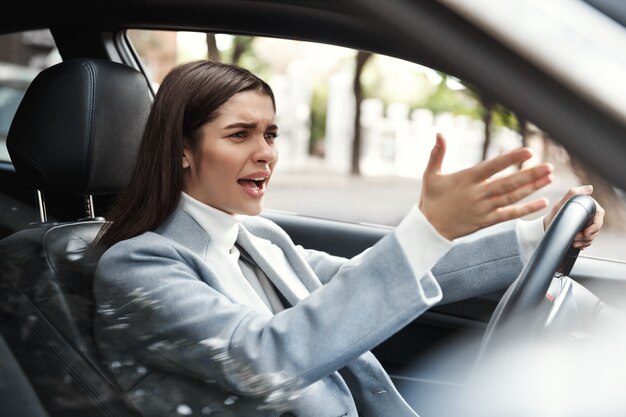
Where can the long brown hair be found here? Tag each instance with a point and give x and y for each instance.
(189, 97)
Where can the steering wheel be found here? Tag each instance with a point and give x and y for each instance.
(514, 313)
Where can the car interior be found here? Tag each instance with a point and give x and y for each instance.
(76, 134)
(47, 268)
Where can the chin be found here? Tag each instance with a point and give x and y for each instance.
(251, 211)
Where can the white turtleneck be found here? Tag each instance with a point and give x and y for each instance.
(224, 228)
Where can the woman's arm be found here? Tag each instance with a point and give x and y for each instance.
(480, 263)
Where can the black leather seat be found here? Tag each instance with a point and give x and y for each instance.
(77, 131)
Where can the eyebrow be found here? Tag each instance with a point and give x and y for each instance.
(243, 125)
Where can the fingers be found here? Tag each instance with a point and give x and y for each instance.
(585, 238)
(515, 211)
(569, 194)
(513, 188)
(583, 189)
(582, 241)
(488, 168)
(595, 226)
(528, 176)
(516, 195)
(436, 156)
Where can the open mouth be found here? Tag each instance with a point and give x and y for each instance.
(252, 183)
(254, 186)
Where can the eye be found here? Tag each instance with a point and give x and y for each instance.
(239, 135)
(271, 135)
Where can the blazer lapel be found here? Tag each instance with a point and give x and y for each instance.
(218, 271)
(279, 237)
(267, 257)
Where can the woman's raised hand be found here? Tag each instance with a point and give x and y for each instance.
(468, 200)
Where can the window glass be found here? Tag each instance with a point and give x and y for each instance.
(22, 56)
(401, 107)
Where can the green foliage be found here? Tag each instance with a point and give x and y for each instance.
(319, 100)
(446, 100)
(241, 52)
(500, 115)
(503, 117)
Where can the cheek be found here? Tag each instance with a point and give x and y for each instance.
(221, 168)
(222, 161)
(208, 160)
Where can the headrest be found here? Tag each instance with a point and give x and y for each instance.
(79, 127)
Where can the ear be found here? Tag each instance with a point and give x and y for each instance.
(187, 158)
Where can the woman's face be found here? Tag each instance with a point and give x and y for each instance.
(236, 156)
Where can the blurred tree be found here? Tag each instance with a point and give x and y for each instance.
(212, 51)
(523, 129)
(487, 110)
(447, 100)
(240, 49)
(241, 52)
(493, 115)
(319, 101)
(361, 59)
(241, 46)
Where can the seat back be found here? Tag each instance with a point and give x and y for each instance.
(77, 130)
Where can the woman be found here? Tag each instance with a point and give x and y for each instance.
(205, 308)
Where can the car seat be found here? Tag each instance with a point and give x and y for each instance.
(77, 131)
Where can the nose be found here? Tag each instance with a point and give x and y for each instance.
(265, 151)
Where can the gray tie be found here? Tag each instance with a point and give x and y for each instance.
(260, 282)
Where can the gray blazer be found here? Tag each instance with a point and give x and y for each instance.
(184, 335)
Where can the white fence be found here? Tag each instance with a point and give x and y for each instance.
(395, 141)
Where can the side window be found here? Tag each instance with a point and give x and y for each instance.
(372, 174)
(22, 56)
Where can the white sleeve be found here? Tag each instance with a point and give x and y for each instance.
(529, 234)
(423, 246)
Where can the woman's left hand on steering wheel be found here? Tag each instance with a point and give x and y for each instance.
(583, 239)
